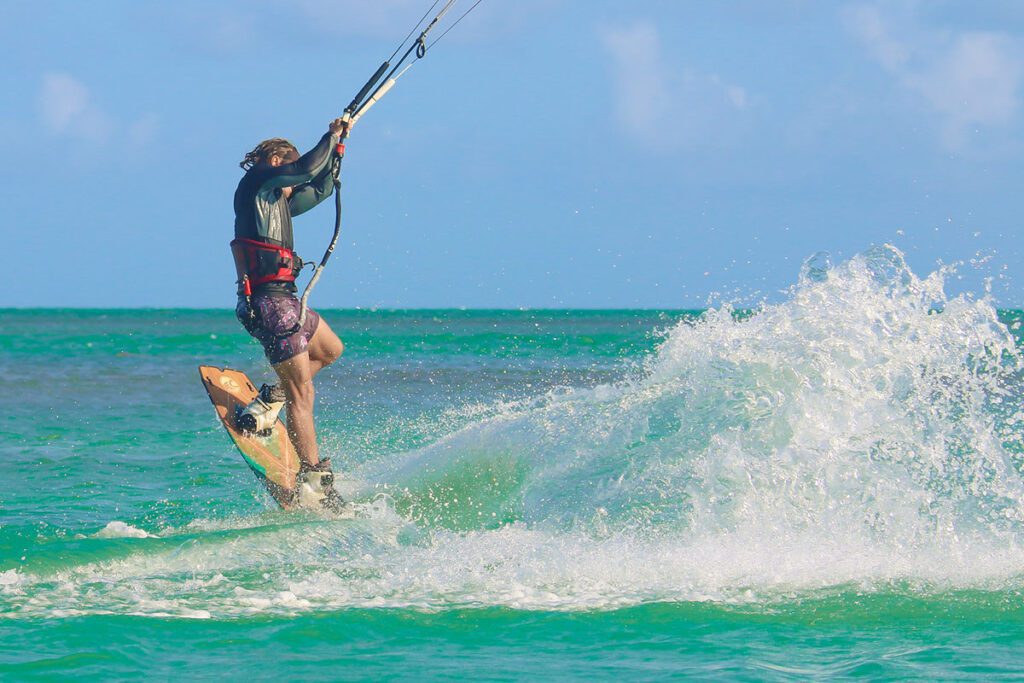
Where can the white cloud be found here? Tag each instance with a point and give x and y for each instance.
(641, 85)
(68, 108)
(977, 81)
(867, 23)
(967, 78)
(226, 32)
(660, 106)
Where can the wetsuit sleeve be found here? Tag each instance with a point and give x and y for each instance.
(304, 169)
(305, 197)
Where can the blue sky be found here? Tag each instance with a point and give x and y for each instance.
(547, 153)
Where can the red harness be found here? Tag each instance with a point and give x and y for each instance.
(259, 262)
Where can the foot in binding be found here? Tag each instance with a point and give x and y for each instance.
(316, 486)
(260, 415)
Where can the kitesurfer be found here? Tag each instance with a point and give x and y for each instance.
(279, 184)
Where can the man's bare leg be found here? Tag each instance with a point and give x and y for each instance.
(297, 381)
(296, 376)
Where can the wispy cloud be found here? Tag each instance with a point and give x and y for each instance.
(662, 105)
(69, 109)
(967, 78)
(226, 31)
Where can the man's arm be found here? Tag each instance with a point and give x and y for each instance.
(304, 169)
(305, 197)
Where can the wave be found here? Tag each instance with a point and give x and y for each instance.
(868, 404)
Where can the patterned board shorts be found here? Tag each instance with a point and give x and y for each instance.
(275, 316)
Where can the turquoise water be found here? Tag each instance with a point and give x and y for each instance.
(830, 486)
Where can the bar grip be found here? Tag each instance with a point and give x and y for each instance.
(374, 99)
(357, 100)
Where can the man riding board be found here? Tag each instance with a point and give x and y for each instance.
(279, 184)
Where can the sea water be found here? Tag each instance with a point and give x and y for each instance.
(827, 486)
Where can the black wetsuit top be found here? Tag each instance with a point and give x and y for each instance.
(260, 213)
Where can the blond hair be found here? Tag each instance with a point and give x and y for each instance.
(266, 149)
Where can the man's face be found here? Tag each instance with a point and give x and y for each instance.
(288, 158)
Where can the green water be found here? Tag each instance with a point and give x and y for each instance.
(827, 487)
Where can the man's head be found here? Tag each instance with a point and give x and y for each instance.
(275, 151)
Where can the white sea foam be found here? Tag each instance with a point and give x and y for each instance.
(10, 582)
(118, 529)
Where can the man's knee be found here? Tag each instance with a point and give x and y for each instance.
(333, 352)
(329, 350)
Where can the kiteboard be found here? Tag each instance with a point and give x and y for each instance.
(269, 454)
